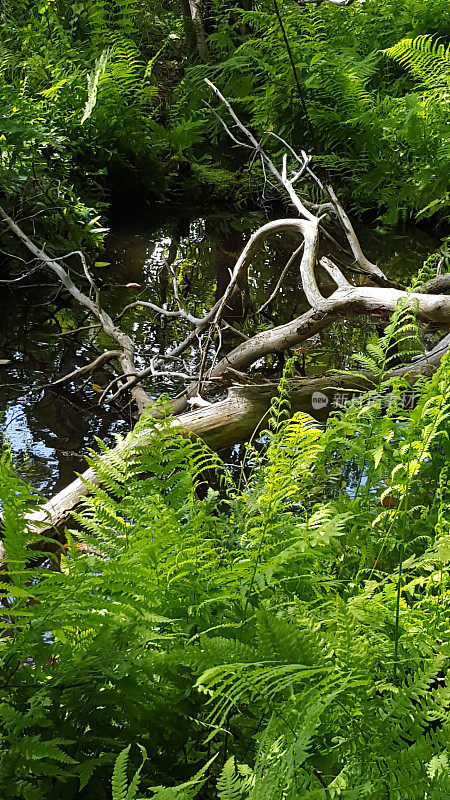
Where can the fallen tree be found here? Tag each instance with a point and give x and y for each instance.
(235, 418)
(239, 417)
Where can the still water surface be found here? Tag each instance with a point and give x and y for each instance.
(50, 429)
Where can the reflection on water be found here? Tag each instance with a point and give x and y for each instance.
(51, 429)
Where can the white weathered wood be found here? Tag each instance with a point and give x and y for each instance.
(233, 420)
(346, 301)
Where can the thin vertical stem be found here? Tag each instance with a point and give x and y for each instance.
(296, 77)
(397, 611)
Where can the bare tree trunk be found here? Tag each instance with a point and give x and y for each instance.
(199, 29)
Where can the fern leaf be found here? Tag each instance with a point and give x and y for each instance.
(119, 778)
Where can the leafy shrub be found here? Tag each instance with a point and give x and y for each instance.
(98, 96)
(77, 97)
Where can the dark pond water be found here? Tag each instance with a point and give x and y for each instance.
(50, 429)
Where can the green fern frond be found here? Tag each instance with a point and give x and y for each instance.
(119, 781)
(229, 783)
(426, 58)
(92, 84)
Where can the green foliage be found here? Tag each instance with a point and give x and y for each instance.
(399, 344)
(119, 784)
(382, 133)
(427, 59)
(77, 96)
(98, 95)
(282, 636)
(429, 62)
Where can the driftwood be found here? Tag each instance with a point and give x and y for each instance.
(347, 300)
(235, 418)
(240, 416)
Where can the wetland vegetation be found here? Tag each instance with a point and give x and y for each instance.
(224, 281)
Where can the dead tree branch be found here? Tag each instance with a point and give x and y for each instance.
(346, 301)
(103, 358)
(280, 280)
(233, 420)
(126, 358)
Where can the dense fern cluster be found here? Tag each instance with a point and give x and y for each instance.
(279, 634)
(77, 97)
(98, 95)
(365, 88)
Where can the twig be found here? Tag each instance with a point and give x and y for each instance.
(181, 314)
(24, 274)
(301, 208)
(300, 93)
(78, 330)
(235, 330)
(108, 355)
(293, 257)
(126, 358)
